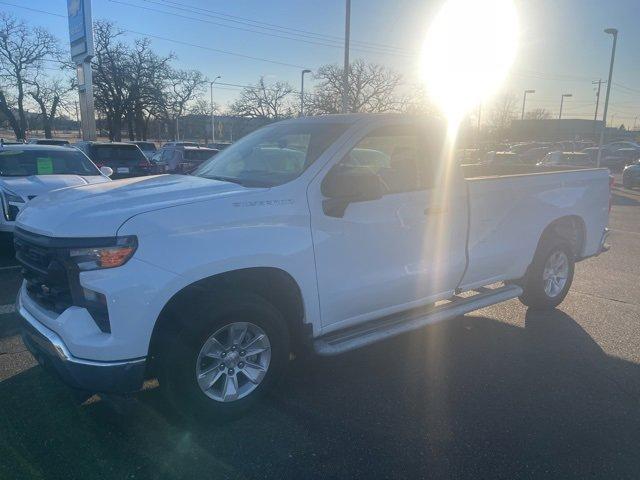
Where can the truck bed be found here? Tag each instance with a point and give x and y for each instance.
(509, 207)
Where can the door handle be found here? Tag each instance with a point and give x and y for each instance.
(435, 210)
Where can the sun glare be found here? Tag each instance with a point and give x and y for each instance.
(467, 53)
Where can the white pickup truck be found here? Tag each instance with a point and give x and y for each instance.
(326, 233)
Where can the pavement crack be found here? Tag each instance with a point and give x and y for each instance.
(624, 302)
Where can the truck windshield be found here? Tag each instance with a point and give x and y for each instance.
(24, 163)
(272, 155)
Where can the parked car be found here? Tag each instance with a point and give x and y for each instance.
(183, 159)
(568, 159)
(502, 158)
(181, 144)
(609, 159)
(617, 145)
(630, 155)
(631, 175)
(158, 165)
(148, 148)
(125, 159)
(218, 145)
(326, 233)
(27, 171)
(534, 155)
(49, 141)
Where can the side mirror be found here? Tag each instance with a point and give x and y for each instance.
(345, 185)
(106, 171)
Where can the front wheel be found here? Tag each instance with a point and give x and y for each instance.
(232, 350)
(550, 275)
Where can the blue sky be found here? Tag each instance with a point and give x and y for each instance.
(562, 45)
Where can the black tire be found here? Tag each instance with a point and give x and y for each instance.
(179, 354)
(534, 295)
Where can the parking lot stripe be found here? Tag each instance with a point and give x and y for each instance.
(9, 308)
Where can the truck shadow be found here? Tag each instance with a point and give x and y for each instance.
(472, 397)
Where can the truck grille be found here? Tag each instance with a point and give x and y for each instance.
(45, 273)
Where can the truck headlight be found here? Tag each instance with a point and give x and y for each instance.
(108, 256)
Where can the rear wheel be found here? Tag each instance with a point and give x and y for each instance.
(231, 351)
(550, 275)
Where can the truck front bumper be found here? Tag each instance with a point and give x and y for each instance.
(88, 375)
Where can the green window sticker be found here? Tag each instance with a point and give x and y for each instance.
(45, 166)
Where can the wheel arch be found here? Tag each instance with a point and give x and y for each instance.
(571, 228)
(275, 285)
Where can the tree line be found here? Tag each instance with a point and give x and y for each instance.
(138, 91)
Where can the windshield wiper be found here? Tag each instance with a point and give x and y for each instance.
(224, 179)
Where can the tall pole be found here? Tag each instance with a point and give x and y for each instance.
(524, 100)
(213, 117)
(302, 92)
(78, 120)
(595, 115)
(614, 32)
(345, 71)
(564, 95)
(479, 117)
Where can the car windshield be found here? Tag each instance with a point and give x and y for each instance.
(52, 142)
(147, 146)
(198, 155)
(272, 155)
(23, 163)
(120, 154)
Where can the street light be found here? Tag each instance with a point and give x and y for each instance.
(567, 95)
(524, 99)
(213, 126)
(302, 92)
(345, 71)
(614, 33)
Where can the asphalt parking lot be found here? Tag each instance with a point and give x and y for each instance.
(500, 393)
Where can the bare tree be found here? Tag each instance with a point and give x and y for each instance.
(264, 101)
(111, 65)
(503, 112)
(416, 101)
(537, 114)
(131, 82)
(23, 51)
(372, 88)
(49, 94)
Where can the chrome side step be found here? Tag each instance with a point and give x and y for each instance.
(373, 331)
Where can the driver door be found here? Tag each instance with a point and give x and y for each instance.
(397, 252)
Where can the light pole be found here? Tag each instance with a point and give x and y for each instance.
(302, 91)
(213, 123)
(524, 99)
(614, 33)
(567, 95)
(345, 71)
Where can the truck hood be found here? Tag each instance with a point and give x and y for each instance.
(99, 210)
(35, 185)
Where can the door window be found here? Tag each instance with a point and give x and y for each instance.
(398, 155)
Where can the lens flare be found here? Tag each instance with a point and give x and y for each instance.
(468, 51)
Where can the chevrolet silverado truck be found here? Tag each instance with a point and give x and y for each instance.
(319, 234)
